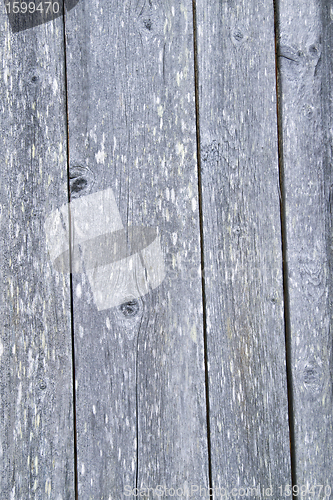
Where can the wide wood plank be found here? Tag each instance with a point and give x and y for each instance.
(242, 246)
(36, 397)
(305, 83)
(141, 414)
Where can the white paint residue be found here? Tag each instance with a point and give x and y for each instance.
(1, 348)
(6, 75)
(194, 334)
(31, 363)
(55, 86)
(180, 150)
(48, 487)
(93, 135)
(79, 291)
(19, 395)
(174, 238)
(101, 155)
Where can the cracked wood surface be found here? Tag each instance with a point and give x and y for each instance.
(36, 417)
(140, 367)
(242, 245)
(141, 414)
(305, 86)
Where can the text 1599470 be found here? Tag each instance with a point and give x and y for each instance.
(32, 7)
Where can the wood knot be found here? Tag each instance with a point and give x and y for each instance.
(290, 53)
(80, 181)
(148, 24)
(238, 35)
(295, 62)
(308, 111)
(130, 308)
(33, 79)
(312, 379)
(314, 51)
(151, 20)
(239, 32)
(273, 299)
(312, 272)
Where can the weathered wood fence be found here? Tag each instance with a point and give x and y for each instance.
(212, 122)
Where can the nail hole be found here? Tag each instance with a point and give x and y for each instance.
(42, 385)
(34, 79)
(130, 308)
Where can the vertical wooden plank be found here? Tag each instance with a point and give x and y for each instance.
(140, 373)
(36, 420)
(242, 247)
(305, 94)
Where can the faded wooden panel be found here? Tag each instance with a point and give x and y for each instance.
(242, 245)
(141, 414)
(36, 421)
(305, 69)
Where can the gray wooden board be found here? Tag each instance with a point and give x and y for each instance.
(242, 246)
(36, 421)
(305, 88)
(141, 414)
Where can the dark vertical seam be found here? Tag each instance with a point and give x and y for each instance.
(197, 120)
(283, 218)
(137, 405)
(70, 264)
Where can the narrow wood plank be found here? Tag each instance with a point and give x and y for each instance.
(140, 373)
(305, 69)
(36, 420)
(242, 246)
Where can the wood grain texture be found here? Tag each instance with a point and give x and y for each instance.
(141, 415)
(36, 420)
(305, 89)
(242, 245)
